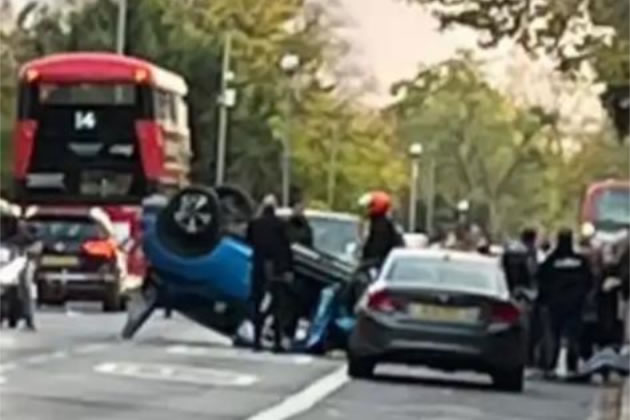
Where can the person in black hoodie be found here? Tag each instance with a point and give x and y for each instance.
(565, 279)
(383, 236)
(271, 270)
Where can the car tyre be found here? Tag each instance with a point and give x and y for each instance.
(361, 367)
(511, 380)
(112, 301)
(191, 223)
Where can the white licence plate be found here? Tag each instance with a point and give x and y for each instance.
(59, 261)
(426, 312)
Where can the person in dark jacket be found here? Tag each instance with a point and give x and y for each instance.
(271, 270)
(529, 238)
(565, 279)
(300, 230)
(23, 238)
(383, 236)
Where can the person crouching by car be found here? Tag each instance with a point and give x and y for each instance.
(383, 236)
(271, 271)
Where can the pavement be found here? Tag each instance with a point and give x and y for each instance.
(76, 367)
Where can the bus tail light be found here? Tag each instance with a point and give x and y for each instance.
(151, 147)
(31, 75)
(24, 141)
(141, 75)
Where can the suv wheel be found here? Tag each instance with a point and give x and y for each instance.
(360, 367)
(511, 380)
(112, 301)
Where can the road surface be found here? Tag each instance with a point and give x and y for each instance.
(76, 368)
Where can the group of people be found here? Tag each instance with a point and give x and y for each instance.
(271, 239)
(577, 297)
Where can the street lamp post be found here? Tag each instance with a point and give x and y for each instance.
(121, 28)
(227, 99)
(289, 64)
(415, 151)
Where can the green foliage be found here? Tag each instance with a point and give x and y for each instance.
(504, 160)
(552, 27)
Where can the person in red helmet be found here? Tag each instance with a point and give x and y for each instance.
(383, 236)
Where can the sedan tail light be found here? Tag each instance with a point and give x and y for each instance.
(100, 248)
(381, 301)
(506, 313)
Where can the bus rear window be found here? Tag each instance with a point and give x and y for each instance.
(87, 94)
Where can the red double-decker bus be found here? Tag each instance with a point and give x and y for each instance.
(100, 129)
(606, 206)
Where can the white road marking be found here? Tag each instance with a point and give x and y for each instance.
(231, 353)
(43, 358)
(6, 367)
(306, 398)
(3, 380)
(7, 341)
(174, 373)
(91, 348)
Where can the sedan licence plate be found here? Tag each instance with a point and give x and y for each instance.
(59, 261)
(444, 313)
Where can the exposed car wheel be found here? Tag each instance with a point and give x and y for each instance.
(361, 367)
(512, 380)
(190, 225)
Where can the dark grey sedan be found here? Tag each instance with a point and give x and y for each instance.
(443, 309)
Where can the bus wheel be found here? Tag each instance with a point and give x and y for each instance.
(191, 223)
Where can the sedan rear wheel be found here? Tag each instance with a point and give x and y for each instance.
(361, 367)
(511, 380)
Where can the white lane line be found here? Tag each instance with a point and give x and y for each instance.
(231, 353)
(174, 373)
(6, 367)
(306, 398)
(7, 341)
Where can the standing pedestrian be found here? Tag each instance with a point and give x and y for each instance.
(383, 236)
(271, 271)
(304, 294)
(565, 279)
(590, 334)
(529, 241)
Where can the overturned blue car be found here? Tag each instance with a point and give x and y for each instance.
(200, 266)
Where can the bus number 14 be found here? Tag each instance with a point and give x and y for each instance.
(84, 120)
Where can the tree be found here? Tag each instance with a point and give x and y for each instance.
(571, 32)
(486, 150)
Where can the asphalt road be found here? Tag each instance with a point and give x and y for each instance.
(75, 367)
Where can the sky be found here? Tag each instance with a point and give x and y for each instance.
(390, 38)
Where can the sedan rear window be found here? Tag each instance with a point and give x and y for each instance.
(449, 274)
